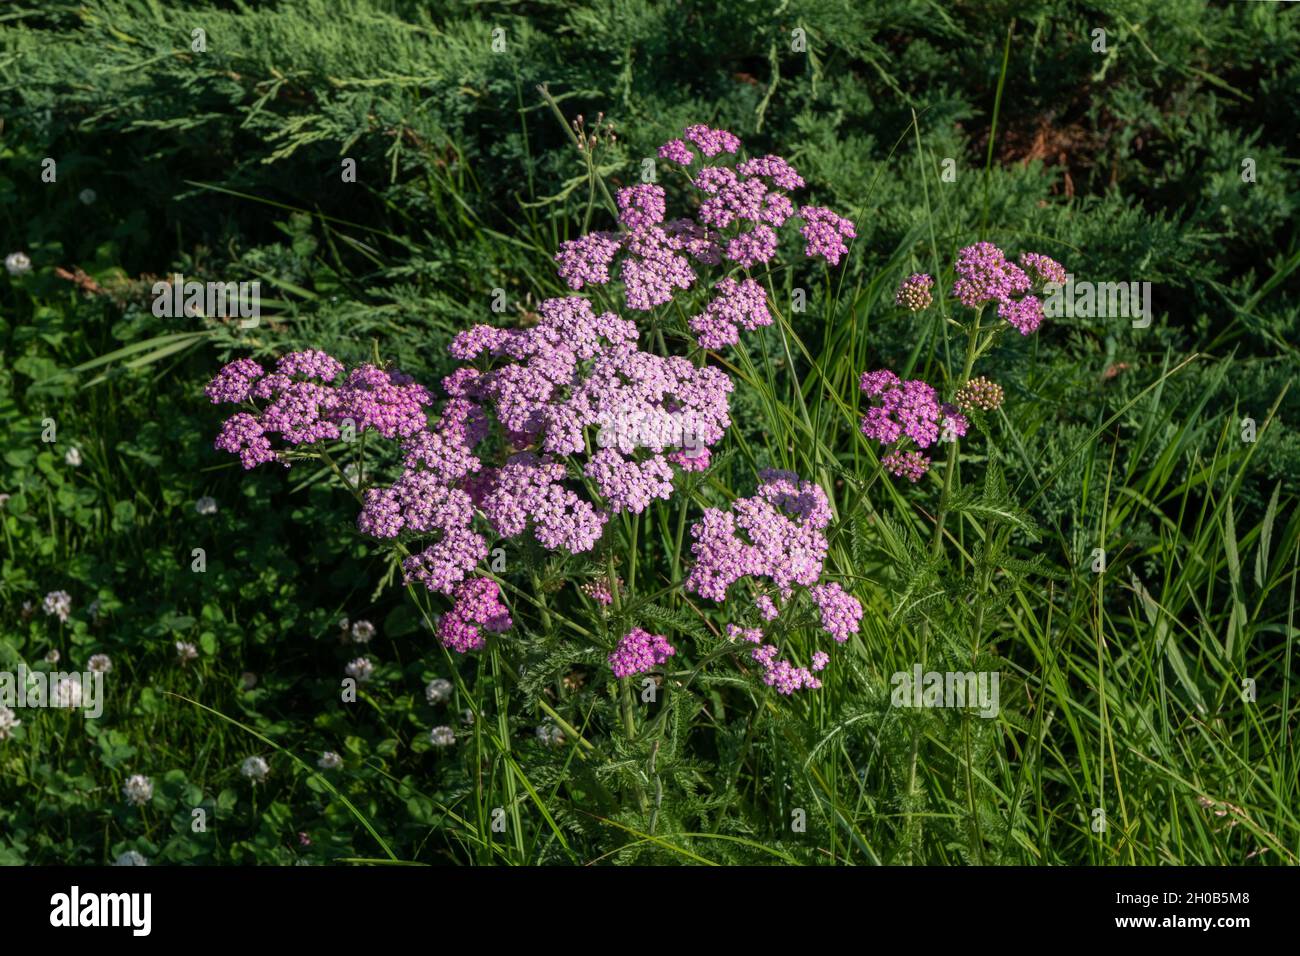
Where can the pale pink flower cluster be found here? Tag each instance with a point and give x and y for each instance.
(741, 207)
(776, 536)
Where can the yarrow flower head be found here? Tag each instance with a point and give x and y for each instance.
(915, 293)
(907, 410)
(640, 206)
(985, 275)
(638, 652)
(777, 535)
(840, 611)
(655, 255)
(738, 305)
(911, 465)
(1043, 268)
(600, 590)
(979, 394)
(825, 232)
(712, 141)
(677, 152)
(477, 603)
(586, 261)
(1025, 315)
(781, 674)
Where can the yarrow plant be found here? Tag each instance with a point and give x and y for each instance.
(908, 416)
(579, 419)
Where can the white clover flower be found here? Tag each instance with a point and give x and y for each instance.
(329, 760)
(67, 692)
(138, 790)
(438, 691)
(362, 632)
(186, 652)
(207, 505)
(52, 655)
(73, 457)
(17, 263)
(57, 603)
(8, 721)
(99, 664)
(131, 858)
(247, 680)
(87, 196)
(4, 500)
(360, 670)
(550, 735)
(94, 609)
(442, 736)
(255, 769)
(467, 716)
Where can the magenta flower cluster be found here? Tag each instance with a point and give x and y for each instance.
(907, 411)
(477, 603)
(741, 208)
(985, 275)
(638, 652)
(775, 536)
(300, 404)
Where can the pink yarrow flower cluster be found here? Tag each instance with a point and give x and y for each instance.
(778, 672)
(777, 534)
(742, 206)
(907, 411)
(638, 652)
(477, 604)
(985, 276)
(571, 382)
(777, 537)
(299, 403)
